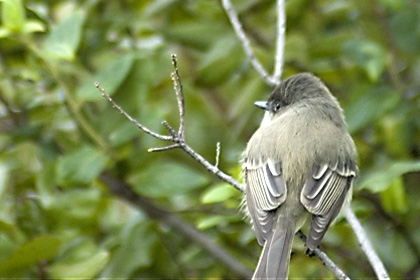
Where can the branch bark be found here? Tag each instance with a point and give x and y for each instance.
(246, 45)
(325, 260)
(365, 244)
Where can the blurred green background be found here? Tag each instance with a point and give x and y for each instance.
(58, 217)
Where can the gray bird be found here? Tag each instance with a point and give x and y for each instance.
(300, 160)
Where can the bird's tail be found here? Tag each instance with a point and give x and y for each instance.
(275, 257)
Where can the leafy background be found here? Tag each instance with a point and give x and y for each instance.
(58, 136)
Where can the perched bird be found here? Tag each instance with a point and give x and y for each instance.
(300, 162)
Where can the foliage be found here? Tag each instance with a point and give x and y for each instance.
(57, 134)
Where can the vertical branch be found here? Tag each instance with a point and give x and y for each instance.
(237, 26)
(217, 155)
(179, 96)
(281, 30)
(367, 248)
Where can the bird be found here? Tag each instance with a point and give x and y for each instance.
(300, 163)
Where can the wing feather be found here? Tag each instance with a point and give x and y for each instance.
(323, 195)
(266, 191)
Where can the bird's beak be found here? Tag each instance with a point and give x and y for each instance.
(262, 105)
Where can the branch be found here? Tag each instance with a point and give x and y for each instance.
(124, 191)
(131, 119)
(217, 154)
(176, 137)
(176, 78)
(365, 244)
(180, 142)
(237, 26)
(325, 260)
(281, 30)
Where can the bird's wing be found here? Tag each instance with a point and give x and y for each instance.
(266, 191)
(323, 195)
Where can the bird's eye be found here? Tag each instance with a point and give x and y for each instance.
(277, 106)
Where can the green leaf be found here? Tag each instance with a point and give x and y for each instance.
(392, 4)
(32, 26)
(370, 107)
(138, 239)
(224, 52)
(7, 209)
(75, 206)
(13, 15)
(4, 32)
(82, 259)
(383, 178)
(405, 26)
(45, 186)
(30, 253)
(110, 78)
(368, 55)
(394, 198)
(123, 133)
(218, 193)
(164, 179)
(87, 268)
(212, 221)
(158, 6)
(62, 42)
(80, 167)
(195, 33)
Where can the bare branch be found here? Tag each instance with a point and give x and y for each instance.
(175, 136)
(237, 26)
(281, 30)
(142, 127)
(176, 78)
(365, 244)
(162, 149)
(325, 259)
(217, 155)
(212, 168)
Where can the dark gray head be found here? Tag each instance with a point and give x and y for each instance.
(294, 89)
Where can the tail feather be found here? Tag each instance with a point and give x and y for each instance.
(275, 257)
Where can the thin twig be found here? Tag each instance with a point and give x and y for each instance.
(213, 169)
(217, 155)
(281, 30)
(176, 78)
(325, 259)
(175, 135)
(366, 246)
(131, 119)
(162, 149)
(237, 26)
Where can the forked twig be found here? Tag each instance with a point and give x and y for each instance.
(178, 138)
